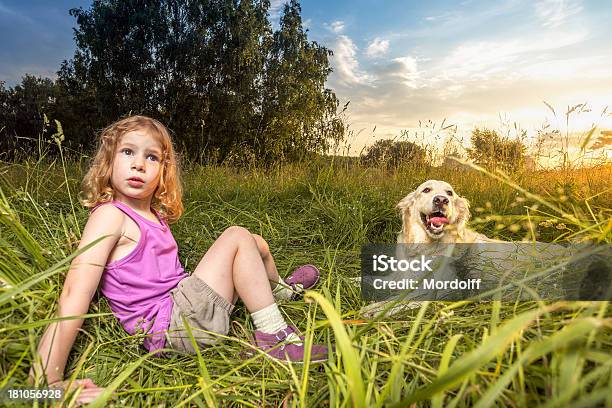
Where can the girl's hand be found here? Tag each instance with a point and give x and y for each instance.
(90, 391)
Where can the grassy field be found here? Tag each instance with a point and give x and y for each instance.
(548, 354)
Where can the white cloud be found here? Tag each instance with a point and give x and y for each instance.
(478, 59)
(403, 70)
(549, 55)
(377, 47)
(440, 17)
(482, 60)
(554, 13)
(346, 66)
(568, 68)
(336, 27)
(407, 71)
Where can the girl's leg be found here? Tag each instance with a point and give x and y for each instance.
(233, 267)
(268, 260)
(302, 278)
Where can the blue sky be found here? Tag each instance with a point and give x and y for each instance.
(471, 63)
(36, 37)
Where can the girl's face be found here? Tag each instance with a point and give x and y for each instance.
(136, 166)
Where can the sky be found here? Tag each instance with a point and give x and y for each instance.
(410, 67)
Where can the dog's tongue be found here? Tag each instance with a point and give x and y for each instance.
(438, 221)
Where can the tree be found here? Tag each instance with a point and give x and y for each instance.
(242, 44)
(211, 70)
(22, 111)
(298, 114)
(147, 57)
(7, 141)
(492, 151)
(391, 154)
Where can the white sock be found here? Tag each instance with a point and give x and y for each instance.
(283, 291)
(269, 320)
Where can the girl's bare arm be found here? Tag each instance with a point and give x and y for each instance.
(79, 288)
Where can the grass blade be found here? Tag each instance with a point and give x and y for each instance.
(350, 358)
(469, 363)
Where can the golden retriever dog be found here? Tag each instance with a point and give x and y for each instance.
(434, 212)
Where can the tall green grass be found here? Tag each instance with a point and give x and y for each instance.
(443, 354)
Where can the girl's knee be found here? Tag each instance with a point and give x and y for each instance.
(262, 245)
(238, 233)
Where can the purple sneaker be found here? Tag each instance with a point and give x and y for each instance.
(304, 277)
(275, 346)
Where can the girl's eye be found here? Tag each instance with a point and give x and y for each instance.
(427, 190)
(153, 157)
(126, 151)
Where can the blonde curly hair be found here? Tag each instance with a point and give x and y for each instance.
(96, 186)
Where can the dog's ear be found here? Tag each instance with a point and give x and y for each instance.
(405, 206)
(406, 203)
(463, 212)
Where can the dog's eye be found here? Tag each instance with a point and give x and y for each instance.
(427, 190)
(450, 193)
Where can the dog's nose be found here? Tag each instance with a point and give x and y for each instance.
(440, 200)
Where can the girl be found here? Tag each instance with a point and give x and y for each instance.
(133, 190)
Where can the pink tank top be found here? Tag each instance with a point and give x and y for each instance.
(138, 285)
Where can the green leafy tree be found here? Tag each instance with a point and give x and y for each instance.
(391, 154)
(299, 116)
(493, 151)
(241, 46)
(22, 110)
(211, 70)
(7, 139)
(147, 57)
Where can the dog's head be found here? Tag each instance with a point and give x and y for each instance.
(435, 208)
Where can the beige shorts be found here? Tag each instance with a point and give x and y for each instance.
(203, 308)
